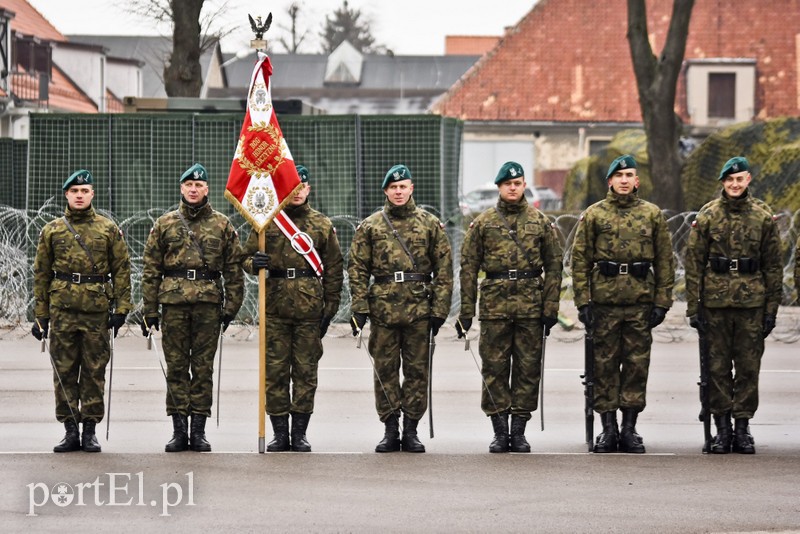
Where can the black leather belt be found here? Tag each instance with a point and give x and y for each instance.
(721, 264)
(402, 276)
(78, 278)
(193, 274)
(639, 269)
(513, 274)
(291, 273)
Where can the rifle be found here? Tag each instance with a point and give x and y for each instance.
(588, 383)
(705, 356)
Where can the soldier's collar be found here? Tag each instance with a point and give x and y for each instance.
(624, 201)
(512, 207)
(195, 211)
(400, 211)
(79, 215)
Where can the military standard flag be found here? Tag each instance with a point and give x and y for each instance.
(263, 175)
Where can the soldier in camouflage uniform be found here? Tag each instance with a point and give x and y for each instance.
(189, 252)
(406, 250)
(513, 243)
(82, 272)
(299, 308)
(733, 289)
(622, 276)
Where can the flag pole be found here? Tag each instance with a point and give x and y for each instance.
(262, 345)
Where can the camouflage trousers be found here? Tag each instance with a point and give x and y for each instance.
(79, 345)
(736, 344)
(622, 340)
(191, 333)
(293, 352)
(511, 355)
(391, 346)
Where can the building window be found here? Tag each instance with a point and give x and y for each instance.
(720, 91)
(722, 95)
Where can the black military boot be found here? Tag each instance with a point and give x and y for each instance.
(180, 434)
(198, 442)
(500, 425)
(88, 439)
(629, 439)
(517, 440)
(743, 442)
(299, 426)
(722, 441)
(280, 430)
(71, 441)
(411, 442)
(607, 440)
(391, 437)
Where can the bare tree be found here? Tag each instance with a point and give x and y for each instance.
(656, 80)
(296, 34)
(347, 24)
(191, 37)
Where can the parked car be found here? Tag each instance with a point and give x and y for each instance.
(479, 200)
(548, 199)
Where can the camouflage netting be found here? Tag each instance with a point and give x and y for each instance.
(773, 150)
(772, 147)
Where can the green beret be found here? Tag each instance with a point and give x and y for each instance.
(734, 165)
(509, 170)
(195, 172)
(397, 173)
(302, 172)
(81, 177)
(622, 162)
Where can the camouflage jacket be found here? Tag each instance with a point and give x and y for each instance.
(59, 251)
(622, 229)
(488, 247)
(301, 298)
(376, 252)
(170, 247)
(733, 228)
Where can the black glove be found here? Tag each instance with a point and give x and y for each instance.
(260, 261)
(549, 322)
(323, 326)
(769, 324)
(227, 319)
(586, 316)
(357, 322)
(697, 324)
(40, 332)
(116, 321)
(462, 326)
(435, 324)
(148, 322)
(657, 316)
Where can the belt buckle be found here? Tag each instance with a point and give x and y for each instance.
(733, 264)
(76, 278)
(399, 276)
(290, 273)
(512, 274)
(191, 274)
(623, 268)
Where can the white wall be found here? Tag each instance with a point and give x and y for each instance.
(86, 68)
(482, 157)
(124, 79)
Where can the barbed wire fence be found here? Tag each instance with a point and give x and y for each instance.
(19, 230)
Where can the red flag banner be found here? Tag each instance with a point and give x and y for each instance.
(263, 176)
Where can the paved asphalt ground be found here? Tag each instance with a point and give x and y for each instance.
(343, 486)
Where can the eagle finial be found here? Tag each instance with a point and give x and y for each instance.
(258, 28)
